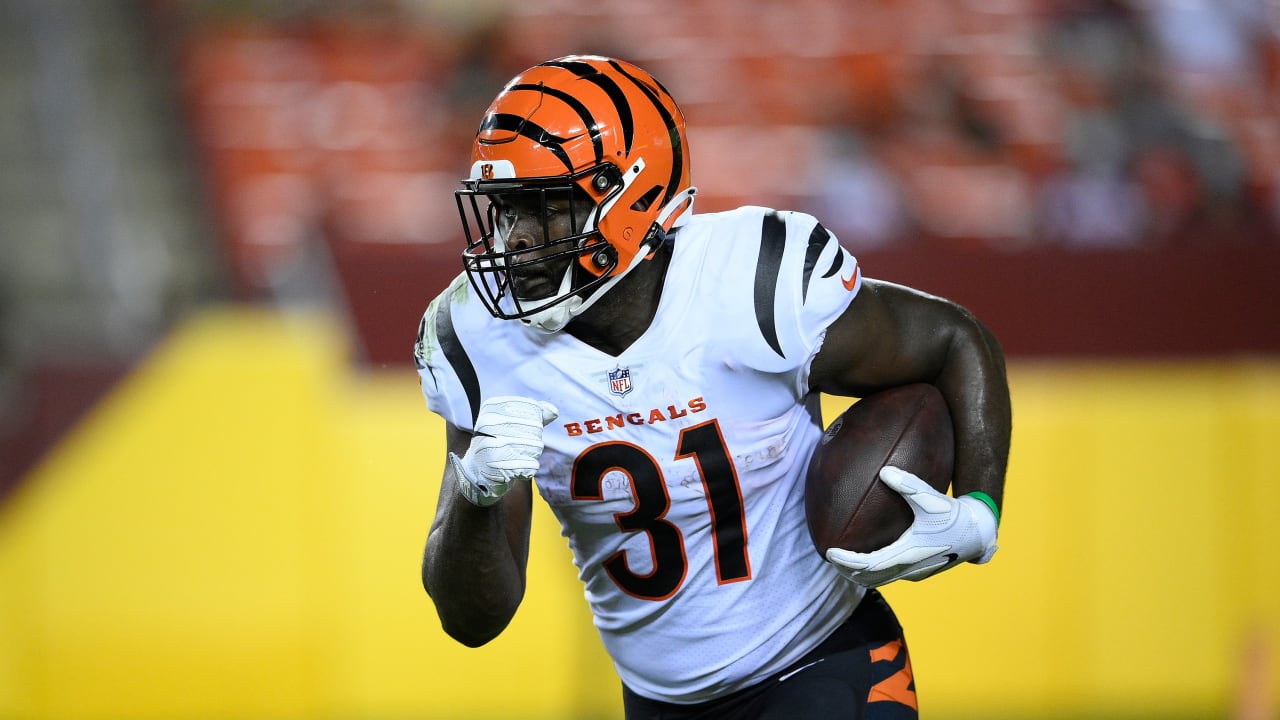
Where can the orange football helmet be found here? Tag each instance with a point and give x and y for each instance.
(595, 137)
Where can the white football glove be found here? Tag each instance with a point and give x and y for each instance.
(946, 531)
(506, 447)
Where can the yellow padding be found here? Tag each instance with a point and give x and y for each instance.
(237, 531)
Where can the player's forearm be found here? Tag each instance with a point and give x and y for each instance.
(472, 571)
(977, 391)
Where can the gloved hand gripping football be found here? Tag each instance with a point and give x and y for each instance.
(946, 531)
(506, 447)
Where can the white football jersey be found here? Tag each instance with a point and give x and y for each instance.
(677, 468)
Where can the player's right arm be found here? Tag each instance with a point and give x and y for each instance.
(477, 549)
(475, 560)
(473, 566)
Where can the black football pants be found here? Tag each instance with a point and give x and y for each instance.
(861, 671)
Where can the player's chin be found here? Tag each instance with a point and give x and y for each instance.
(533, 289)
(534, 285)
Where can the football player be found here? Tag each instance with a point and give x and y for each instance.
(658, 372)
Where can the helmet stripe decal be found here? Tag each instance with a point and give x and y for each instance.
(610, 88)
(773, 240)
(521, 126)
(677, 151)
(583, 113)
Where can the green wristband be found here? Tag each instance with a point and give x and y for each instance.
(986, 499)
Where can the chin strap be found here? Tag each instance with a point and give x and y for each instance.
(676, 203)
(554, 318)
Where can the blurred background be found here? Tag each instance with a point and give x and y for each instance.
(221, 221)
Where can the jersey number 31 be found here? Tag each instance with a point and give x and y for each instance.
(705, 444)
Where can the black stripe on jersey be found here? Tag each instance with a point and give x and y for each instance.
(456, 355)
(773, 240)
(610, 88)
(522, 126)
(818, 240)
(583, 113)
(837, 262)
(677, 151)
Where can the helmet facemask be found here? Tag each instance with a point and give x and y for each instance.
(558, 263)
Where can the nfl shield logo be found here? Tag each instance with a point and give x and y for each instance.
(620, 381)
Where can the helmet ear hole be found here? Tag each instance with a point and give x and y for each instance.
(647, 199)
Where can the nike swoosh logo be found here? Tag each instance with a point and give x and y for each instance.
(852, 282)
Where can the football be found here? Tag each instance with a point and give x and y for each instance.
(846, 503)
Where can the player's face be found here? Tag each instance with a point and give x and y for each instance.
(532, 226)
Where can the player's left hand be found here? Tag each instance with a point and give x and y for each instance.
(946, 532)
